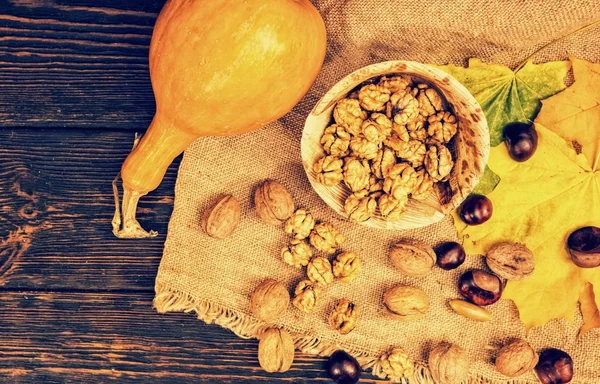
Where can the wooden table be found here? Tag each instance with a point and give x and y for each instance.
(75, 302)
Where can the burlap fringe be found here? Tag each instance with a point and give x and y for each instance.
(169, 300)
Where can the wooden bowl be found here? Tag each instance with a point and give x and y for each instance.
(471, 144)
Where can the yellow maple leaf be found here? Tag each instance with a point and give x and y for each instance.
(539, 203)
(589, 310)
(575, 112)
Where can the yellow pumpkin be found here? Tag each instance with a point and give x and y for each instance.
(219, 67)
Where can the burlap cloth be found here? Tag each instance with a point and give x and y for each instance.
(214, 278)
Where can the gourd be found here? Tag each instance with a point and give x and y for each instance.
(218, 67)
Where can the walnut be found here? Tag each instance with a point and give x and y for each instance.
(430, 101)
(319, 271)
(273, 202)
(335, 140)
(329, 170)
(512, 261)
(448, 364)
(391, 208)
(416, 129)
(325, 238)
(297, 254)
(442, 126)
(516, 358)
(414, 152)
(360, 206)
(405, 106)
(395, 83)
(362, 148)
(269, 300)
(356, 174)
(406, 303)
(377, 128)
(383, 163)
(438, 162)
(307, 295)
(344, 317)
(300, 224)
(373, 97)
(375, 185)
(394, 365)
(424, 185)
(348, 114)
(221, 218)
(401, 181)
(346, 267)
(412, 257)
(276, 350)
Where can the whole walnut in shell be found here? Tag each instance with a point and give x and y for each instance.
(346, 267)
(269, 300)
(412, 257)
(273, 202)
(512, 261)
(516, 358)
(306, 295)
(319, 271)
(221, 218)
(326, 238)
(276, 350)
(300, 224)
(449, 364)
(297, 254)
(406, 303)
(344, 316)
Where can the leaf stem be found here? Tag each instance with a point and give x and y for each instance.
(584, 28)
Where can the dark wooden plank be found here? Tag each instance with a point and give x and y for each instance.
(56, 208)
(104, 337)
(80, 64)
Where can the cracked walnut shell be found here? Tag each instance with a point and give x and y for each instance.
(360, 206)
(346, 267)
(344, 316)
(357, 174)
(297, 254)
(329, 170)
(516, 358)
(319, 271)
(273, 202)
(276, 350)
(348, 114)
(412, 257)
(306, 296)
(406, 303)
(438, 162)
(269, 300)
(300, 224)
(394, 365)
(335, 140)
(373, 97)
(448, 364)
(326, 238)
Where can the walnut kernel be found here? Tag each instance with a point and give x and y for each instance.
(344, 316)
(300, 224)
(319, 271)
(326, 238)
(346, 267)
(329, 170)
(297, 254)
(306, 295)
(394, 365)
(348, 114)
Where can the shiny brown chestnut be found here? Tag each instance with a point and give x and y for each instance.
(521, 141)
(554, 367)
(480, 287)
(450, 255)
(584, 247)
(343, 368)
(477, 209)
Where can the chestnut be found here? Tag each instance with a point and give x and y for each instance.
(521, 141)
(584, 247)
(477, 209)
(554, 367)
(343, 368)
(450, 255)
(480, 287)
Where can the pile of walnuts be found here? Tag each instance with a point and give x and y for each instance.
(389, 143)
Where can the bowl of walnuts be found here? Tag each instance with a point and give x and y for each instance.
(395, 145)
